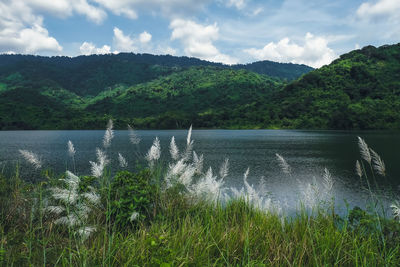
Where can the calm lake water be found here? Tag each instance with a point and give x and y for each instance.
(308, 153)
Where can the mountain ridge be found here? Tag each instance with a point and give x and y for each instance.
(359, 90)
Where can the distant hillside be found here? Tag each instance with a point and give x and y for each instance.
(204, 96)
(90, 75)
(360, 90)
(287, 71)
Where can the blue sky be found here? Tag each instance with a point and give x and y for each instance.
(312, 32)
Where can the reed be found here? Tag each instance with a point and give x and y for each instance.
(192, 218)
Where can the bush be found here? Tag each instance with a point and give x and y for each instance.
(132, 197)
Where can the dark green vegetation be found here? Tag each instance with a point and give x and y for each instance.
(181, 231)
(360, 90)
(160, 91)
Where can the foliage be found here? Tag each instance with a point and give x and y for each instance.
(132, 197)
(200, 234)
(360, 90)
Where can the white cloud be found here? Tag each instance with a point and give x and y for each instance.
(89, 49)
(168, 51)
(22, 32)
(382, 9)
(239, 4)
(129, 8)
(122, 42)
(128, 43)
(145, 37)
(257, 11)
(378, 21)
(313, 52)
(198, 40)
(66, 8)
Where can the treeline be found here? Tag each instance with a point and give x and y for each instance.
(360, 90)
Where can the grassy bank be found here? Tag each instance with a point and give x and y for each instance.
(176, 214)
(182, 231)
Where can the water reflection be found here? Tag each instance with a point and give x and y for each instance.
(308, 153)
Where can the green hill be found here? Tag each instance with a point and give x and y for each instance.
(90, 75)
(204, 96)
(360, 90)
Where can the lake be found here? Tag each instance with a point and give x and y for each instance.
(307, 152)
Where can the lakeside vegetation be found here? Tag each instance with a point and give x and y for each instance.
(360, 90)
(180, 213)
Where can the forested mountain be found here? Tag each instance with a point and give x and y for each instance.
(89, 75)
(286, 71)
(360, 90)
(204, 96)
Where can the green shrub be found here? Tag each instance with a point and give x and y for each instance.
(131, 193)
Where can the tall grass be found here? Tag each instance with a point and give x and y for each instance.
(191, 218)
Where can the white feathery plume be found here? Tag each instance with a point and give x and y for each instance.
(208, 187)
(173, 149)
(55, 209)
(309, 195)
(97, 168)
(262, 187)
(86, 231)
(378, 163)
(246, 174)
(189, 145)
(154, 152)
(32, 158)
(188, 152)
(189, 135)
(396, 209)
(76, 205)
(101, 157)
(134, 216)
(328, 180)
(224, 170)
(92, 197)
(364, 150)
(187, 175)
(69, 220)
(72, 180)
(285, 167)
(177, 168)
(108, 135)
(82, 211)
(198, 162)
(252, 196)
(122, 161)
(358, 169)
(71, 149)
(65, 195)
(133, 137)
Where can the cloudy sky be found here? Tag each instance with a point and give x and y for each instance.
(312, 32)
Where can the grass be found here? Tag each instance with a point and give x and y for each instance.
(194, 233)
(178, 223)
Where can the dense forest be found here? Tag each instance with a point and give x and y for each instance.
(360, 90)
